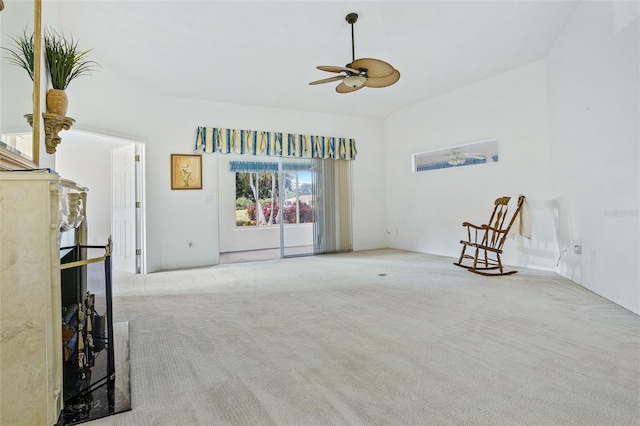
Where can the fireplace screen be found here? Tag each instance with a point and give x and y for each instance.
(87, 326)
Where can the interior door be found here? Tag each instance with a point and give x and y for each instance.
(123, 227)
(296, 207)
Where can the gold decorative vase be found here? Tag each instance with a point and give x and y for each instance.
(57, 102)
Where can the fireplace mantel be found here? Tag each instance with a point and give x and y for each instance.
(37, 206)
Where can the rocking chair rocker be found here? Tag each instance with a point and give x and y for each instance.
(487, 240)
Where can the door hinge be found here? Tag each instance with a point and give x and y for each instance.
(137, 158)
(138, 204)
(138, 252)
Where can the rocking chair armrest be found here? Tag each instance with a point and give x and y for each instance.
(471, 225)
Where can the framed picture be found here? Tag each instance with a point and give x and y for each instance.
(186, 171)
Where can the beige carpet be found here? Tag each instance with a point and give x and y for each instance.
(381, 337)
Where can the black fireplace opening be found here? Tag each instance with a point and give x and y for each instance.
(90, 386)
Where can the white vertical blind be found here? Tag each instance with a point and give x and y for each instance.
(333, 224)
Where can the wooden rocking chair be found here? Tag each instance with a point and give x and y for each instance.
(487, 240)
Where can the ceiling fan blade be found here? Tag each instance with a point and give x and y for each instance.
(343, 88)
(330, 68)
(375, 67)
(383, 81)
(327, 80)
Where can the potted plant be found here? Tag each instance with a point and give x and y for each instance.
(22, 54)
(64, 61)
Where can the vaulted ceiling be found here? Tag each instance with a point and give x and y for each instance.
(264, 53)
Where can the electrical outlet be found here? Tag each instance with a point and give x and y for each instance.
(577, 249)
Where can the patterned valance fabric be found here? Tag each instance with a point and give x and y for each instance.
(265, 167)
(252, 166)
(274, 144)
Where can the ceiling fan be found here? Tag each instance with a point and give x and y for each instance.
(457, 156)
(363, 72)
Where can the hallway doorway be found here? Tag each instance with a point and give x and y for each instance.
(86, 158)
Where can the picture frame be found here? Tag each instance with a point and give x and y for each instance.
(186, 171)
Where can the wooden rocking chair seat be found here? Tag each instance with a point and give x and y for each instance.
(487, 240)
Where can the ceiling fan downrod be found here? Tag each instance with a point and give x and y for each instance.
(352, 18)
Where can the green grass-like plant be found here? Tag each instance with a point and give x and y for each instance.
(23, 53)
(65, 61)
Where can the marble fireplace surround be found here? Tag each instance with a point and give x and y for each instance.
(35, 206)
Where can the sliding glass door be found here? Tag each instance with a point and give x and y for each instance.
(287, 207)
(297, 201)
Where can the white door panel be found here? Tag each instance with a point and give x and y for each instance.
(124, 208)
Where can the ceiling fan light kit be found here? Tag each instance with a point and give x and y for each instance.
(456, 161)
(354, 81)
(458, 157)
(363, 72)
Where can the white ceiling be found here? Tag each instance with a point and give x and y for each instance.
(265, 52)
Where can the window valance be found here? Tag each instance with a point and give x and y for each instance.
(274, 144)
(265, 166)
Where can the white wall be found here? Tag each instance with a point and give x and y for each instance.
(426, 209)
(182, 226)
(593, 74)
(568, 130)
